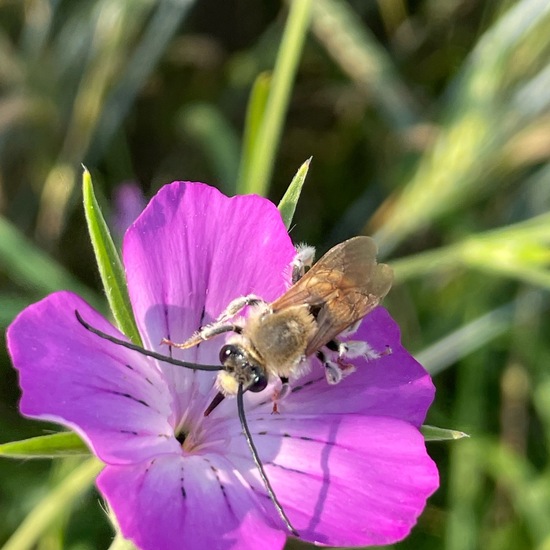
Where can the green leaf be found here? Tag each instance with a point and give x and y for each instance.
(109, 263)
(431, 433)
(288, 203)
(54, 504)
(57, 445)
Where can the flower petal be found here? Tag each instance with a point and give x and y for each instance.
(343, 480)
(114, 398)
(190, 253)
(186, 502)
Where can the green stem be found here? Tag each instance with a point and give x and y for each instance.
(261, 164)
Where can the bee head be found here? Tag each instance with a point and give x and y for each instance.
(239, 368)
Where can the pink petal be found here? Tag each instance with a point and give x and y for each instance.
(190, 253)
(343, 480)
(197, 501)
(116, 399)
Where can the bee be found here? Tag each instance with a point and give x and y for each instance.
(275, 340)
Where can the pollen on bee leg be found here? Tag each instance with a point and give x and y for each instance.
(333, 372)
(237, 305)
(358, 348)
(305, 255)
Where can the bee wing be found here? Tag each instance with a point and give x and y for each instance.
(345, 284)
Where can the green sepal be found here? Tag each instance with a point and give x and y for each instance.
(432, 433)
(288, 203)
(59, 445)
(109, 263)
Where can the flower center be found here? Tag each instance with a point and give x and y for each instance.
(190, 435)
(181, 436)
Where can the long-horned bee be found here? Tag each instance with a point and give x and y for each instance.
(277, 338)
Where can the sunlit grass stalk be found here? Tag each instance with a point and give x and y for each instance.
(160, 29)
(362, 58)
(106, 44)
(260, 165)
(478, 122)
(255, 112)
(518, 250)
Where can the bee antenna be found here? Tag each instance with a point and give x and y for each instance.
(258, 463)
(143, 351)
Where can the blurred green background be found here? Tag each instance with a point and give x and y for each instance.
(429, 126)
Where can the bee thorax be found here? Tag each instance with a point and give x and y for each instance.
(280, 338)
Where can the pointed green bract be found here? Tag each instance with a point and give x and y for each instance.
(288, 203)
(432, 433)
(58, 445)
(109, 263)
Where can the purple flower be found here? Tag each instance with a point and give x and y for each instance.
(347, 462)
(128, 202)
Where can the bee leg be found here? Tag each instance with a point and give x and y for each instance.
(303, 260)
(333, 371)
(205, 333)
(237, 305)
(220, 325)
(352, 329)
(280, 394)
(356, 348)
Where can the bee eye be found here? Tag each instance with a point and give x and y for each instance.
(259, 381)
(226, 352)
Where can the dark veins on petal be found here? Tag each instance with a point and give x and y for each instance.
(182, 487)
(222, 486)
(134, 370)
(128, 396)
